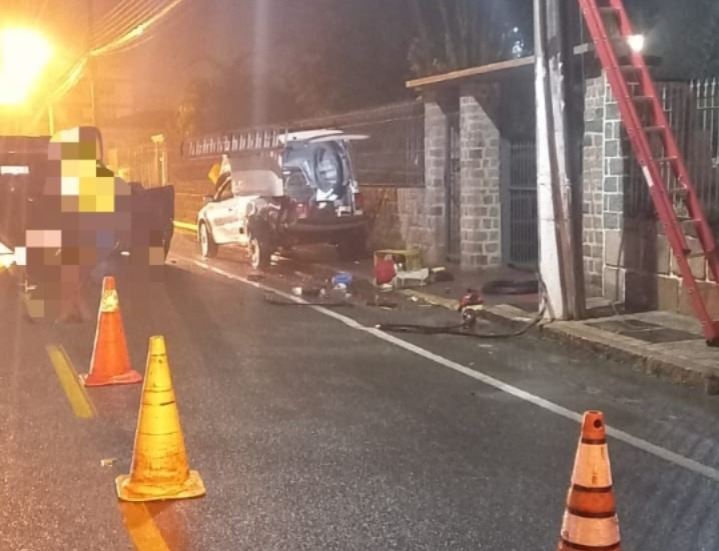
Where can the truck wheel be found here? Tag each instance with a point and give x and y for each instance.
(260, 253)
(352, 246)
(207, 246)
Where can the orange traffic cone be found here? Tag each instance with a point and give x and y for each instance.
(159, 461)
(110, 364)
(590, 519)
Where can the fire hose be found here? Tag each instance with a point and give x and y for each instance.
(469, 321)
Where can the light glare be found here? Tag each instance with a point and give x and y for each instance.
(636, 42)
(23, 56)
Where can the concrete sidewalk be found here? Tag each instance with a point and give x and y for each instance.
(658, 343)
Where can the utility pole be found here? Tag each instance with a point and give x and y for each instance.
(558, 191)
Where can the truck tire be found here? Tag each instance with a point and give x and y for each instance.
(208, 247)
(260, 253)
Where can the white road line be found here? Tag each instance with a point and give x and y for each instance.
(648, 447)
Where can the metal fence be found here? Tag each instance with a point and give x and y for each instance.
(143, 163)
(693, 112)
(394, 153)
(519, 205)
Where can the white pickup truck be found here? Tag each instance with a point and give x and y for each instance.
(303, 190)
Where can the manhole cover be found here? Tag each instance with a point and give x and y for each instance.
(644, 331)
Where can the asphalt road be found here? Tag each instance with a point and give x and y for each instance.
(312, 431)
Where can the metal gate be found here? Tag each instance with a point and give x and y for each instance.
(519, 204)
(453, 189)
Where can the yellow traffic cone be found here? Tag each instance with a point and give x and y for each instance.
(159, 462)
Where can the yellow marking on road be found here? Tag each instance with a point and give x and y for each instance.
(185, 226)
(70, 381)
(144, 533)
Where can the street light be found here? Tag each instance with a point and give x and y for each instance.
(636, 42)
(24, 53)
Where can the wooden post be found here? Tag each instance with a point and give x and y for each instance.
(558, 191)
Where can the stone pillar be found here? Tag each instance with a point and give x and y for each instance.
(606, 168)
(422, 215)
(616, 173)
(480, 217)
(593, 182)
(433, 222)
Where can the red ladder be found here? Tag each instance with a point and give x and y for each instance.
(654, 146)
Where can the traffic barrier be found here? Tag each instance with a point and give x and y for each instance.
(590, 520)
(110, 364)
(159, 468)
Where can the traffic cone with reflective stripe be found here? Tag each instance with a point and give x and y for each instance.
(159, 468)
(110, 364)
(590, 519)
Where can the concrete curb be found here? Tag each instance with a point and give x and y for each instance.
(676, 368)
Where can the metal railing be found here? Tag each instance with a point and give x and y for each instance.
(143, 163)
(522, 245)
(394, 153)
(693, 112)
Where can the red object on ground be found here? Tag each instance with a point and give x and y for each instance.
(470, 299)
(384, 270)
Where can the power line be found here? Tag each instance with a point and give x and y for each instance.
(134, 14)
(112, 24)
(137, 32)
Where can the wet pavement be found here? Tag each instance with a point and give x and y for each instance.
(311, 432)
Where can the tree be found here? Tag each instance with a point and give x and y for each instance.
(317, 57)
(455, 34)
(686, 37)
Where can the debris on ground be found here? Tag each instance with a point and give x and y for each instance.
(415, 278)
(342, 278)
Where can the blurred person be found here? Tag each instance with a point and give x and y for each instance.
(82, 218)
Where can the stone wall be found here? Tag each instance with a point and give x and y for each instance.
(480, 221)
(593, 184)
(628, 258)
(424, 218)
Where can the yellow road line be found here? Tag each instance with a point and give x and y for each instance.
(144, 533)
(185, 226)
(70, 381)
